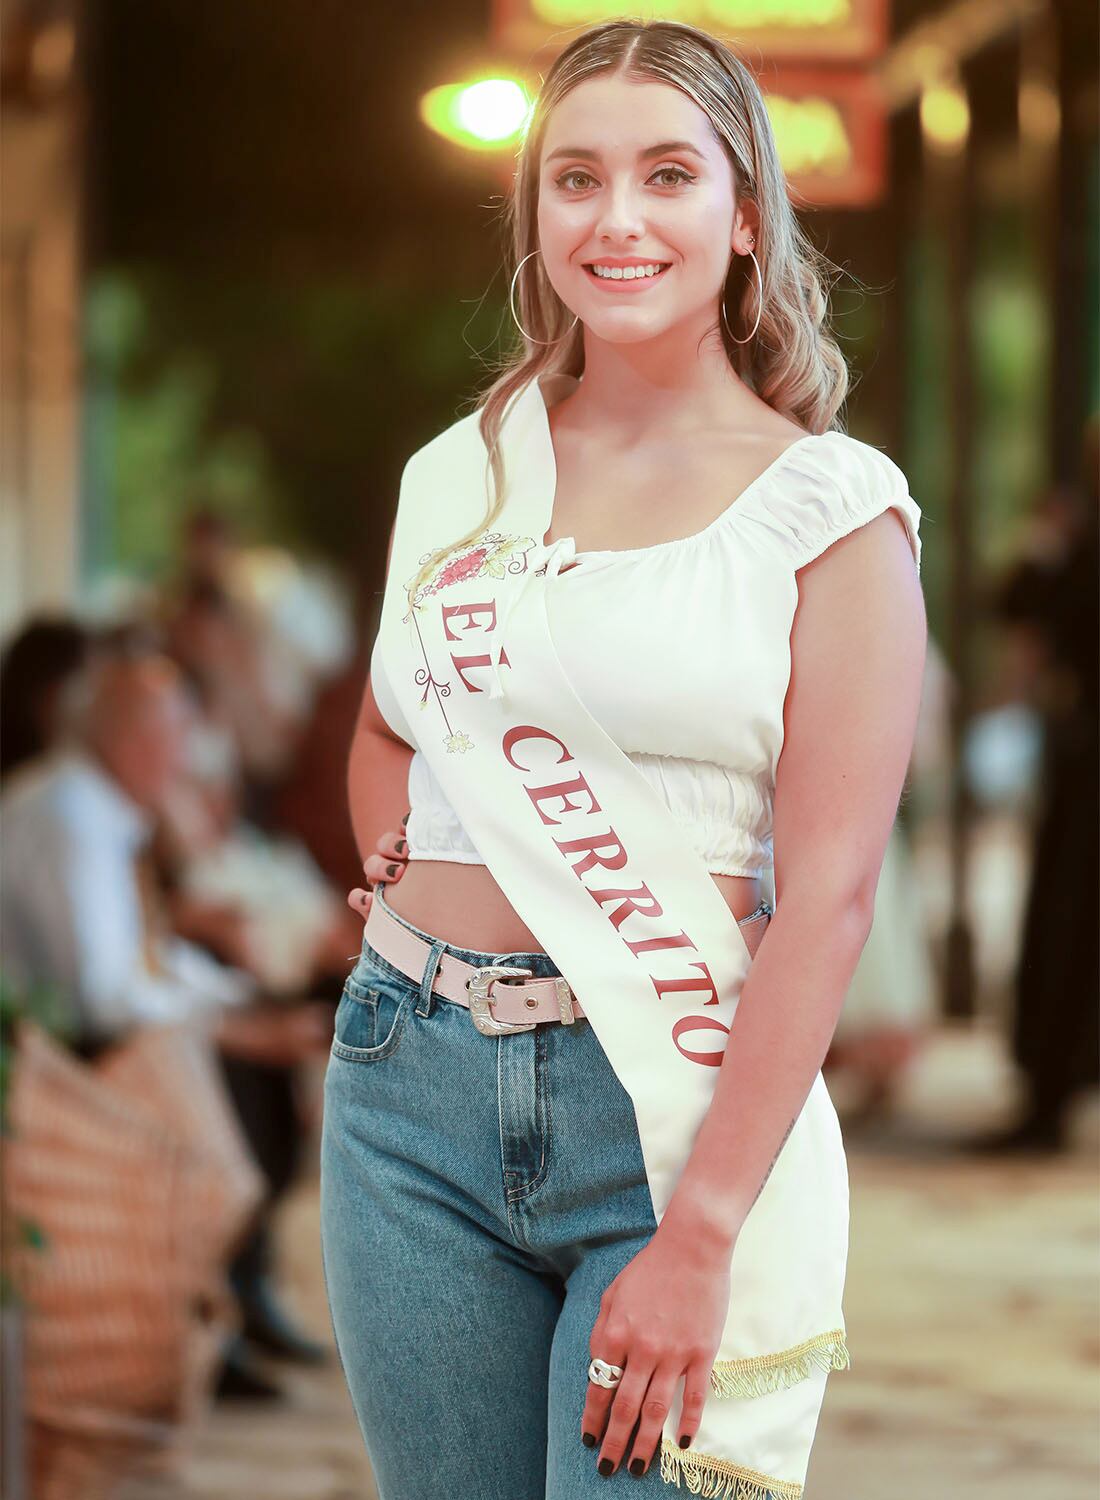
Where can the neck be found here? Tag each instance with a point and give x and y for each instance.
(672, 382)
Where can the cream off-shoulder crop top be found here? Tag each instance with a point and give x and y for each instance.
(708, 617)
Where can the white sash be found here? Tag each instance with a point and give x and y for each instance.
(595, 864)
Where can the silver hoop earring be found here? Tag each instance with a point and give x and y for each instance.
(759, 302)
(512, 306)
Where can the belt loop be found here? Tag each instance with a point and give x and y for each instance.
(427, 979)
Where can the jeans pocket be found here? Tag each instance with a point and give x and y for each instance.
(369, 1021)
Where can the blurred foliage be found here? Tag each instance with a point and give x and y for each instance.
(1008, 330)
(1010, 333)
(44, 1004)
(290, 409)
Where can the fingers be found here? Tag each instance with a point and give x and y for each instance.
(387, 865)
(382, 869)
(393, 846)
(598, 1401)
(628, 1421)
(696, 1391)
(359, 900)
(626, 1411)
(656, 1405)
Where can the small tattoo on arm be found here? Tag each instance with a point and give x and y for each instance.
(774, 1159)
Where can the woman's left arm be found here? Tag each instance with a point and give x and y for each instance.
(857, 664)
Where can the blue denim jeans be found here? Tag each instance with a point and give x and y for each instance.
(478, 1195)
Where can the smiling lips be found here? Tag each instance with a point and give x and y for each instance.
(622, 275)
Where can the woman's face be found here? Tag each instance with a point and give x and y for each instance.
(631, 174)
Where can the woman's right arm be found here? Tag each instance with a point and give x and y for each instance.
(378, 777)
(378, 790)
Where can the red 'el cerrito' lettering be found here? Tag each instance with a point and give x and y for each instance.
(471, 613)
(601, 848)
(598, 847)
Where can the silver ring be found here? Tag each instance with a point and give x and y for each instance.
(602, 1373)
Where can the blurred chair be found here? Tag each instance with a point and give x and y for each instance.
(138, 1183)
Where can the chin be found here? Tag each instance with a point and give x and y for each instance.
(625, 330)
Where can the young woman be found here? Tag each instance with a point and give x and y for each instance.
(584, 1197)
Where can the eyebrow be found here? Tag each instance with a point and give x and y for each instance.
(661, 149)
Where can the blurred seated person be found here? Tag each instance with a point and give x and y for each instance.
(41, 665)
(253, 898)
(228, 653)
(80, 911)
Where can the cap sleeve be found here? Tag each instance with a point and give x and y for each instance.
(831, 487)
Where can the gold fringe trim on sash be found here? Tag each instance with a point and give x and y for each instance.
(718, 1478)
(762, 1373)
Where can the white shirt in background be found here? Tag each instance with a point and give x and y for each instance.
(70, 908)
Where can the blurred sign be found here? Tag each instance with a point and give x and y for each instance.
(818, 30)
(830, 129)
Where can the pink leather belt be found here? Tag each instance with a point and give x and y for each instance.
(517, 1006)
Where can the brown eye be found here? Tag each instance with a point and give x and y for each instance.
(574, 172)
(678, 172)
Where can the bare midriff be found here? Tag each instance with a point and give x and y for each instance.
(463, 905)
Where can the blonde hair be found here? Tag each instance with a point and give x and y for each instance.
(793, 363)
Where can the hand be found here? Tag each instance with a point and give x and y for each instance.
(223, 926)
(277, 1035)
(384, 868)
(662, 1317)
(236, 940)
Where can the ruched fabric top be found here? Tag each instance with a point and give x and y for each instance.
(707, 617)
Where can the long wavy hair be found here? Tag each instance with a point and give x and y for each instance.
(793, 363)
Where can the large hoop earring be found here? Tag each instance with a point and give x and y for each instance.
(759, 302)
(512, 306)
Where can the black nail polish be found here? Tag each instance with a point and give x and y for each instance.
(588, 1439)
(684, 1441)
(391, 869)
(400, 846)
(605, 1466)
(404, 820)
(637, 1466)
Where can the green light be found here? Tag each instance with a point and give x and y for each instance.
(483, 115)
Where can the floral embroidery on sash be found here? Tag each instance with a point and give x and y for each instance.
(492, 555)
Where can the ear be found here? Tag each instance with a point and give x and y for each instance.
(745, 224)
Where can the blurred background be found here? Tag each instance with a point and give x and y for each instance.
(251, 258)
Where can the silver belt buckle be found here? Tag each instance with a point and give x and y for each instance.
(565, 1000)
(478, 988)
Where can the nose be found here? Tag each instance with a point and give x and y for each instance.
(621, 216)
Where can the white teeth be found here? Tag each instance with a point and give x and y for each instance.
(626, 273)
